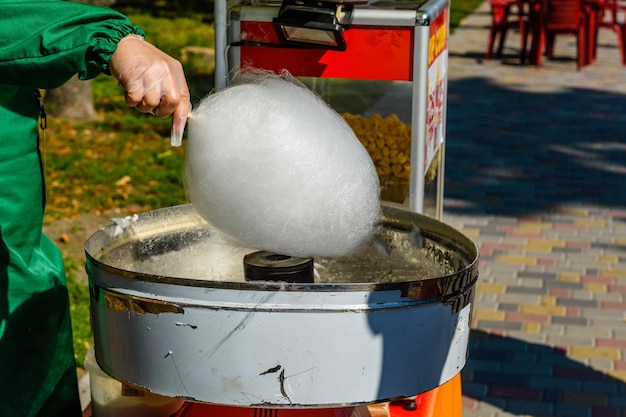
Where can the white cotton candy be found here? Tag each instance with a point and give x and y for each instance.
(273, 166)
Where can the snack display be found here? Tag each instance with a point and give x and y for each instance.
(388, 141)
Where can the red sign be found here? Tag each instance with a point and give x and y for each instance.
(372, 53)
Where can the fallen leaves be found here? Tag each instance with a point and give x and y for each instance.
(123, 182)
(100, 167)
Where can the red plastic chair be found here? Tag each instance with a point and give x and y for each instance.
(562, 17)
(606, 15)
(501, 22)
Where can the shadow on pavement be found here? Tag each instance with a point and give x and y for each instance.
(535, 380)
(515, 152)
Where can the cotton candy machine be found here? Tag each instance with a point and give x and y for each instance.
(182, 311)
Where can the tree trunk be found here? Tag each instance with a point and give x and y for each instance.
(73, 100)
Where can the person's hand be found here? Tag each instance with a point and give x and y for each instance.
(154, 82)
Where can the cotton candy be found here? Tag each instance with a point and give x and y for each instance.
(271, 165)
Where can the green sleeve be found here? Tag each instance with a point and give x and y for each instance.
(44, 43)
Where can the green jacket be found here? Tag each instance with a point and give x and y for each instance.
(42, 45)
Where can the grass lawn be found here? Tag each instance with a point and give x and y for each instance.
(123, 163)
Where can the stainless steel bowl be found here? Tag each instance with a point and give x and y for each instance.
(173, 313)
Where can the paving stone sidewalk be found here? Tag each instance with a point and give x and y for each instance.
(536, 175)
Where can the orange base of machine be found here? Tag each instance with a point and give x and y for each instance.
(443, 401)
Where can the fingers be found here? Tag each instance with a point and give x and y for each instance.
(164, 100)
(153, 82)
(179, 119)
(158, 90)
(175, 93)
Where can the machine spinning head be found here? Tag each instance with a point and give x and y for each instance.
(270, 266)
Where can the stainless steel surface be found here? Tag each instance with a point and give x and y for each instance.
(173, 313)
